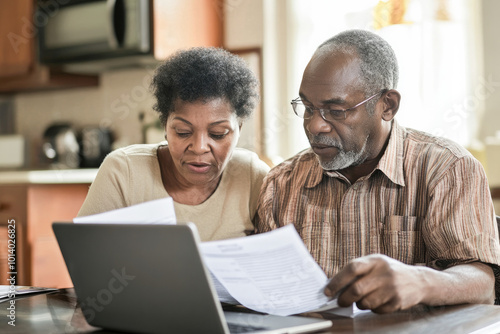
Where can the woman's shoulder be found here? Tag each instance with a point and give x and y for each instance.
(133, 153)
(244, 158)
(136, 150)
(133, 157)
(245, 167)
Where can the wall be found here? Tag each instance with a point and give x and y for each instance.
(490, 121)
(116, 103)
(243, 24)
(263, 24)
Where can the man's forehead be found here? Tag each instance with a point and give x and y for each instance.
(333, 62)
(330, 76)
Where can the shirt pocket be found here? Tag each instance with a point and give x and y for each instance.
(316, 230)
(402, 239)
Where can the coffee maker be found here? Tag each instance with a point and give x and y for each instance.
(60, 146)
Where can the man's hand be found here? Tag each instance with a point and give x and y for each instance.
(385, 285)
(378, 283)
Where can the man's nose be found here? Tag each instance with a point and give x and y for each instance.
(200, 144)
(317, 124)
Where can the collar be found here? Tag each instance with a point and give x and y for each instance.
(391, 162)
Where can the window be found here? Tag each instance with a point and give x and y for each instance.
(437, 43)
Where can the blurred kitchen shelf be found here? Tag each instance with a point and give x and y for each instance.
(44, 78)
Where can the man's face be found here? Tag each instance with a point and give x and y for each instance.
(333, 82)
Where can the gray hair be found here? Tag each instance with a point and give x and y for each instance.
(378, 63)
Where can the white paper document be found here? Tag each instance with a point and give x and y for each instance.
(223, 295)
(160, 211)
(271, 272)
(9, 292)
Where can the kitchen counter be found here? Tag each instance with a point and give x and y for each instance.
(55, 176)
(33, 200)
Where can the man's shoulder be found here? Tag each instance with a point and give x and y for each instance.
(433, 157)
(423, 143)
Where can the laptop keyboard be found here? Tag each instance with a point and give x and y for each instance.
(237, 328)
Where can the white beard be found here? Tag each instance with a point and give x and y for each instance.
(343, 159)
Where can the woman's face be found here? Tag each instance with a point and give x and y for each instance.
(201, 137)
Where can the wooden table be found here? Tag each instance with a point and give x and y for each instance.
(58, 313)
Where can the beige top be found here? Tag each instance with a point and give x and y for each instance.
(131, 175)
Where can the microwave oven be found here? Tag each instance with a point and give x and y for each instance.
(76, 31)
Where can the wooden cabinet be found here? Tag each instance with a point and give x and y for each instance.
(180, 24)
(176, 24)
(19, 68)
(12, 208)
(34, 208)
(17, 56)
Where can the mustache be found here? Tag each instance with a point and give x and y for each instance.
(324, 140)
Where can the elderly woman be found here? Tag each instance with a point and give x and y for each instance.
(203, 96)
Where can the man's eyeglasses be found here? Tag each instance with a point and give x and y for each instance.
(328, 115)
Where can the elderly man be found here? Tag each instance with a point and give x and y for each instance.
(396, 217)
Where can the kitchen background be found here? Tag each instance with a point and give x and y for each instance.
(285, 34)
(448, 51)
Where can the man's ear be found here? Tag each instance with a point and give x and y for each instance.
(390, 100)
(241, 123)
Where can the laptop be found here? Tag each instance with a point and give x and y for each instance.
(152, 279)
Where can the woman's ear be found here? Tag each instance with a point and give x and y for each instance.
(390, 100)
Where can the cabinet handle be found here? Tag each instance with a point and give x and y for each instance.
(4, 206)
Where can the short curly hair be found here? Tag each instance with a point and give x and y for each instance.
(204, 73)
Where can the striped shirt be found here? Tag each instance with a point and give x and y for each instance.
(427, 202)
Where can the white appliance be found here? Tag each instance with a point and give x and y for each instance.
(11, 151)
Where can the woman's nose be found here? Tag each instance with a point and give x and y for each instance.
(200, 144)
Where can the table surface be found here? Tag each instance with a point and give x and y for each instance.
(58, 313)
